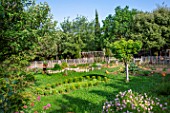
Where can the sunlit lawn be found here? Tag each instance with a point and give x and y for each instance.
(91, 99)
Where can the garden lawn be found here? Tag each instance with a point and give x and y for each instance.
(91, 99)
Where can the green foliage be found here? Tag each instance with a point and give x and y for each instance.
(78, 86)
(133, 68)
(73, 66)
(82, 65)
(70, 80)
(64, 65)
(73, 87)
(57, 67)
(144, 72)
(67, 89)
(93, 77)
(118, 25)
(98, 41)
(94, 65)
(99, 78)
(124, 50)
(10, 95)
(78, 35)
(152, 28)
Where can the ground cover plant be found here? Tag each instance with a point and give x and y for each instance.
(73, 95)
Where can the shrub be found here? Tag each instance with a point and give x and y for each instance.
(66, 81)
(88, 77)
(30, 77)
(90, 84)
(85, 84)
(57, 67)
(29, 108)
(93, 77)
(56, 84)
(81, 79)
(133, 68)
(82, 65)
(146, 73)
(64, 65)
(99, 78)
(105, 79)
(73, 66)
(59, 83)
(60, 91)
(54, 92)
(73, 87)
(70, 80)
(78, 86)
(75, 79)
(96, 83)
(67, 89)
(94, 65)
(53, 86)
(129, 101)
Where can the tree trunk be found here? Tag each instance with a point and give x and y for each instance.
(127, 73)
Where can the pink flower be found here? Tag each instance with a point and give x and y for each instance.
(38, 98)
(45, 107)
(48, 105)
(160, 105)
(32, 104)
(25, 106)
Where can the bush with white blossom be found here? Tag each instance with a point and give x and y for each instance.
(132, 102)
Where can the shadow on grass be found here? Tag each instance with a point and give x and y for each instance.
(96, 75)
(140, 84)
(76, 105)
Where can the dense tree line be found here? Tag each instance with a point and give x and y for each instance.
(79, 34)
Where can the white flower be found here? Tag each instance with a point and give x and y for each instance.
(165, 103)
(116, 99)
(160, 105)
(151, 107)
(129, 91)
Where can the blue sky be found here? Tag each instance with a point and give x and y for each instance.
(72, 8)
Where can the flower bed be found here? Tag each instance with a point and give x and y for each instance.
(129, 101)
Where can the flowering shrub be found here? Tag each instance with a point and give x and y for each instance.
(128, 101)
(29, 108)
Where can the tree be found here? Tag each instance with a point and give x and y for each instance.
(78, 35)
(98, 41)
(152, 28)
(118, 25)
(124, 50)
(146, 30)
(21, 26)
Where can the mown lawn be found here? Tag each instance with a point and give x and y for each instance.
(91, 99)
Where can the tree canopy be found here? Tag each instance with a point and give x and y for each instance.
(124, 50)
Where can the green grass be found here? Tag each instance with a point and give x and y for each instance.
(91, 99)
